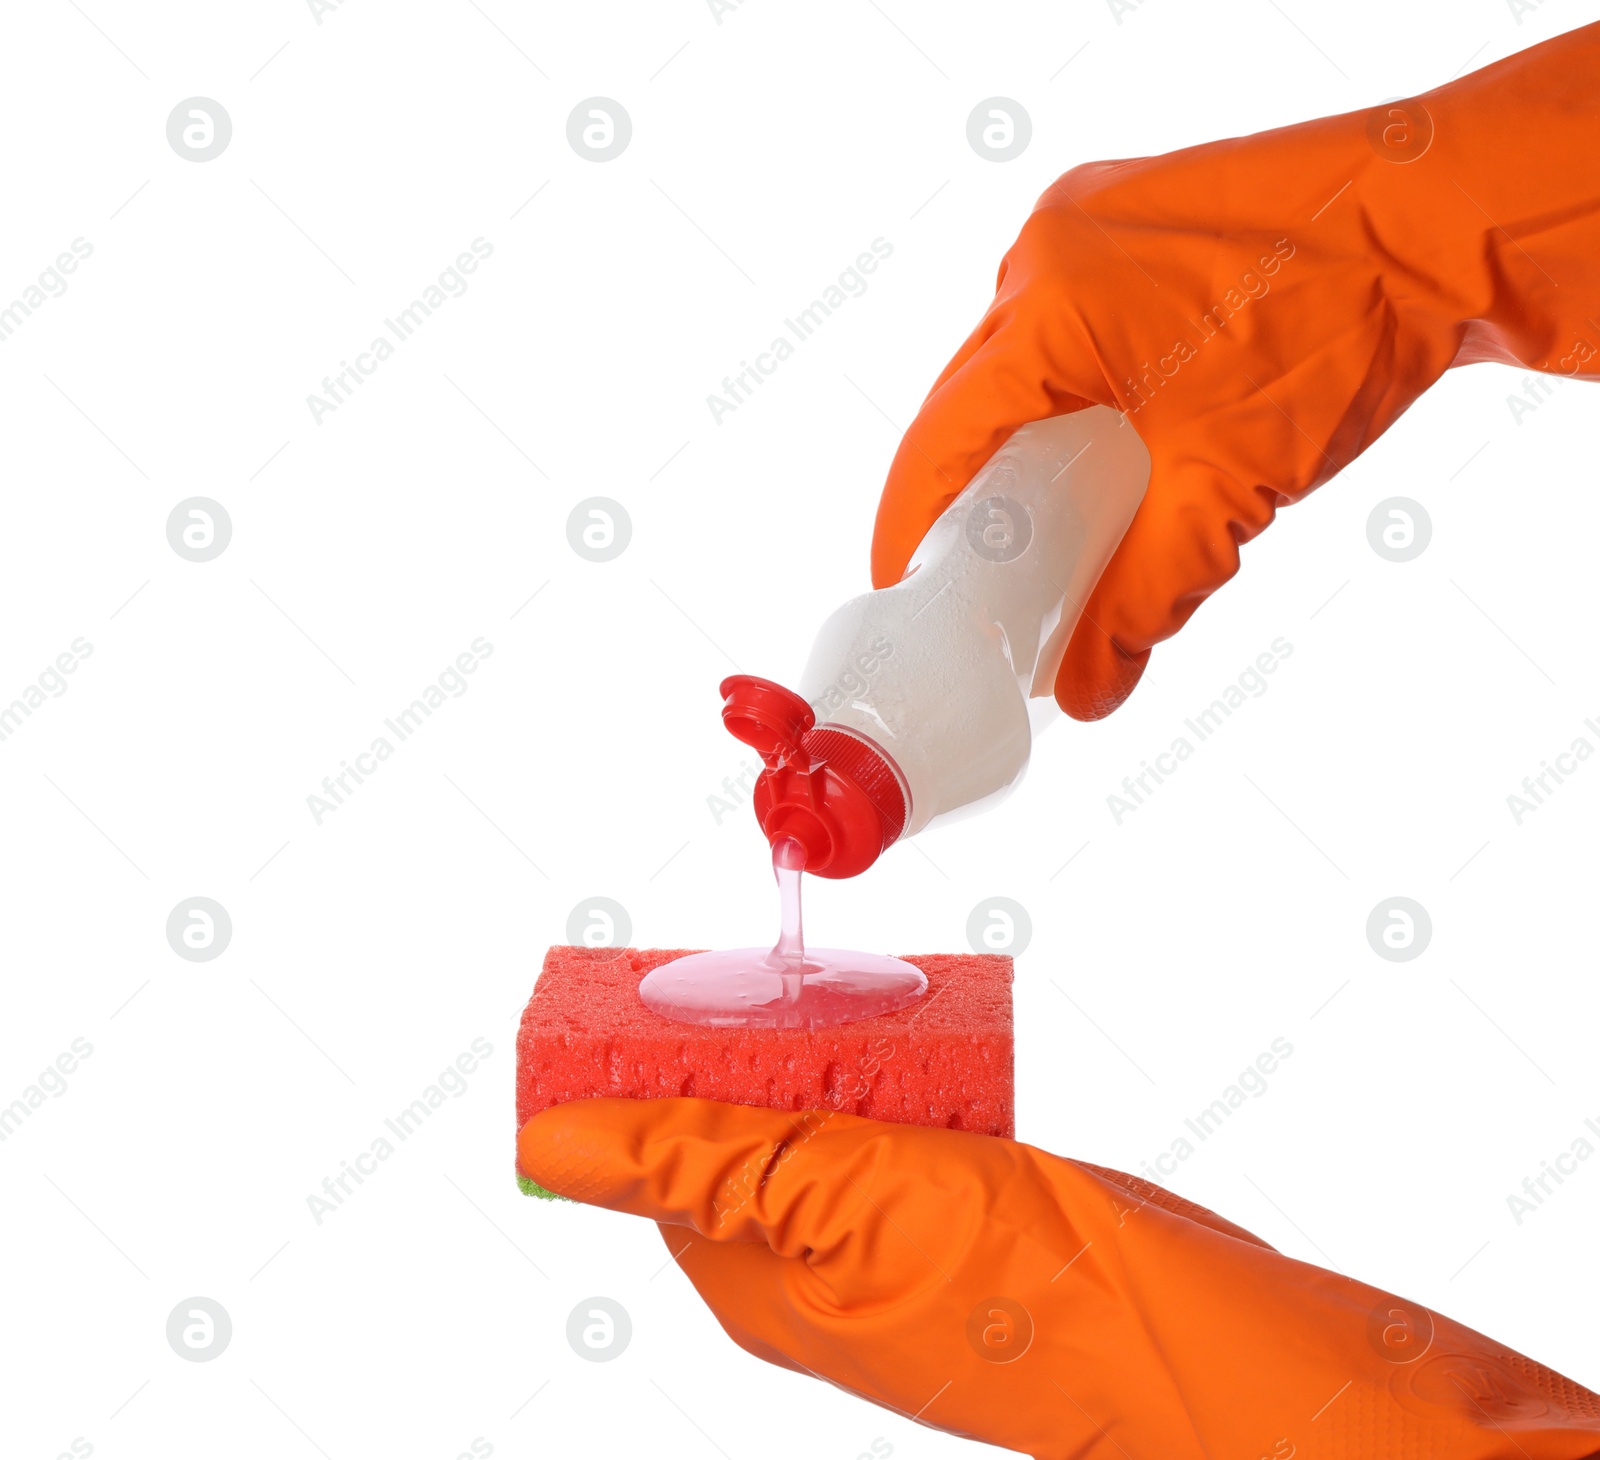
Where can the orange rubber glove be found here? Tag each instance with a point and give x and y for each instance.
(1263, 309)
(998, 1292)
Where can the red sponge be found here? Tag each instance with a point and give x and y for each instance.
(946, 1061)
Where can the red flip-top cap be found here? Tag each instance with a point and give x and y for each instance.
(834, 792)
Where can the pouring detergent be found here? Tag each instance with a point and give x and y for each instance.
(918, 705)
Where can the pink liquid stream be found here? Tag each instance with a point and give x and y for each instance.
(785, 987)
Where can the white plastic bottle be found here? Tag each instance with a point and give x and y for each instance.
(919, 694)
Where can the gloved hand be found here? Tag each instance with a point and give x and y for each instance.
(1263, 309)
(992, 1290)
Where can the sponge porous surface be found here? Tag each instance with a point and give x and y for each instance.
(946, 1061)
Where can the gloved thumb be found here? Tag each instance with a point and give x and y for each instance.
(794, 1181)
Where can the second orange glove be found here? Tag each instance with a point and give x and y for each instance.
(1264, 309)
(990, 1289)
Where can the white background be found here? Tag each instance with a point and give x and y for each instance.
(768, 150)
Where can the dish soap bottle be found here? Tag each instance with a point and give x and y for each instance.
(914, 706)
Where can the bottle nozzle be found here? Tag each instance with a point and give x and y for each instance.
(831, 790)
